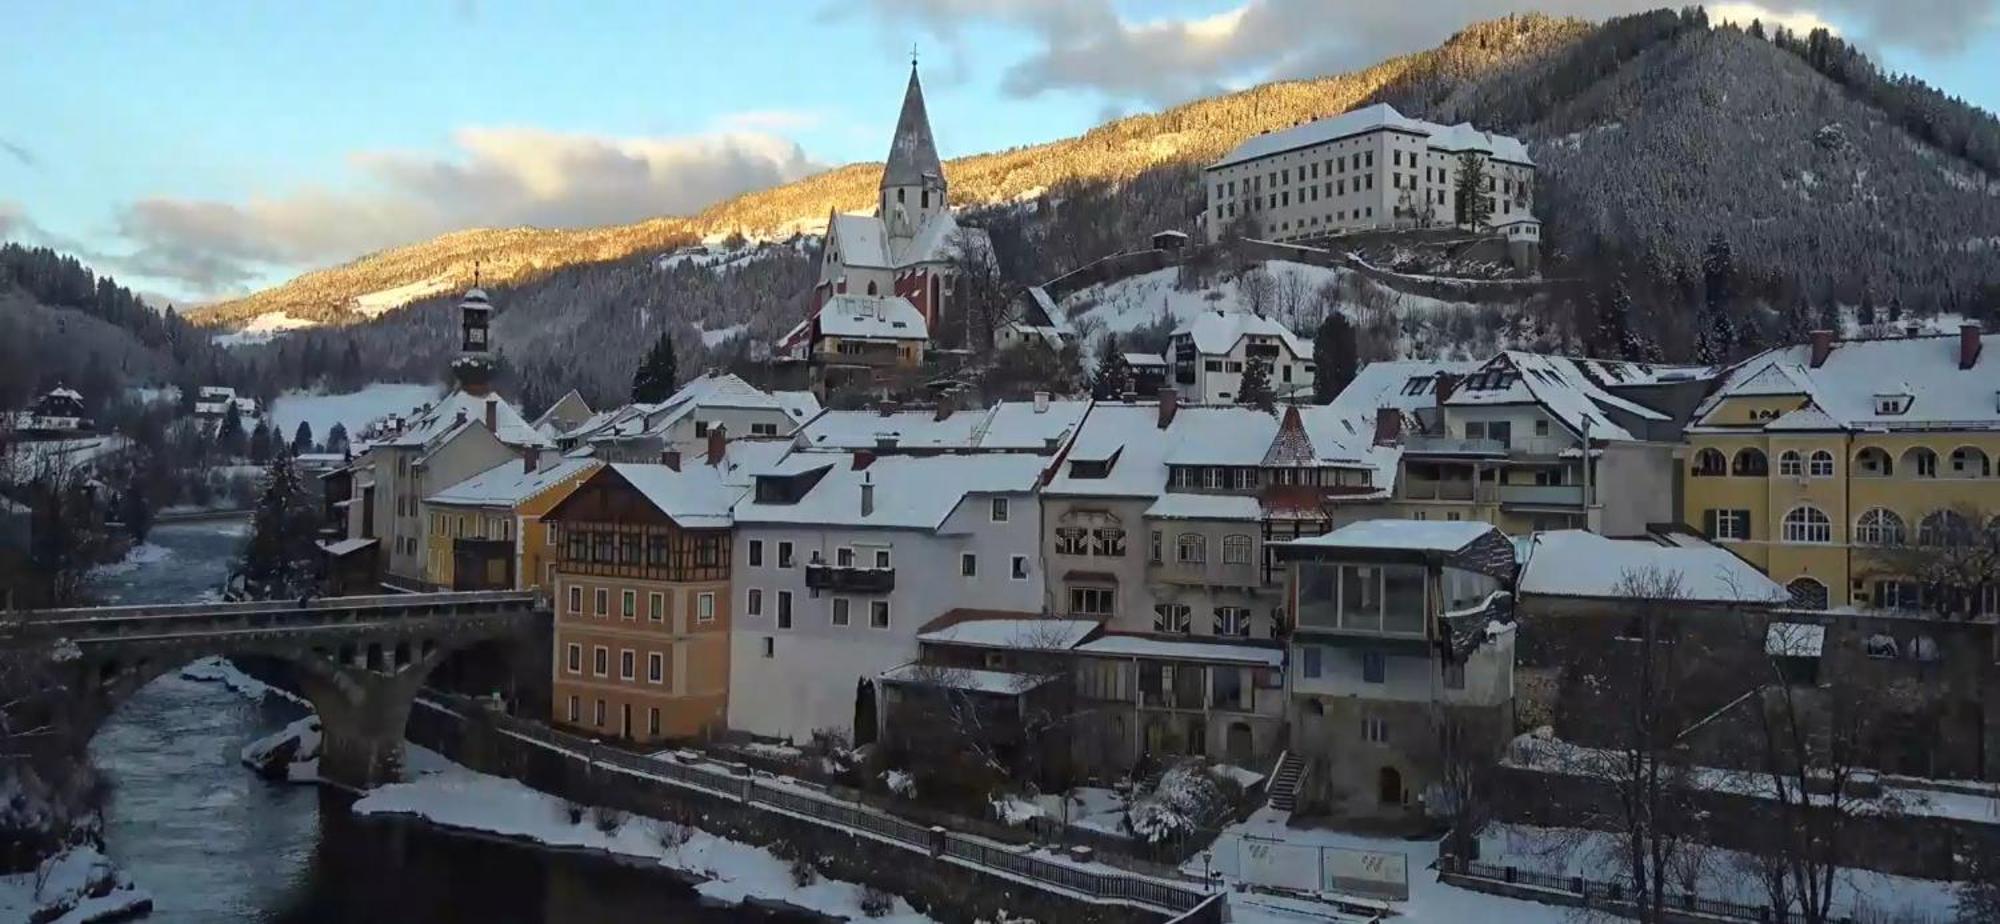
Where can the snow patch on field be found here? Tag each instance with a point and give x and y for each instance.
(733, 871)
(719, 336)
(374, 304)
(352, 410)
(262, 328)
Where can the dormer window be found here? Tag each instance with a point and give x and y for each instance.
(1089, 468)
(1890, 405)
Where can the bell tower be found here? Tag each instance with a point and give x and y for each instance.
(473, 369)
(913, 187)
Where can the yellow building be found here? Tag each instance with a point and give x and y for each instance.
(1817, 462)
(486, 532)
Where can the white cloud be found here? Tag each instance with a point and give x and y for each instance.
(496, 177)
(1743, 14)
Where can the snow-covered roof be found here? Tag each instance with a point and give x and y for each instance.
(1558, 384)
(1025, 425)
(880, 317)
(1794, 639)
(1140, 646)
(1225, 435)
(695, 496)
(709, 391)
(861, 239)
(1413, 535)
(910, 492)
(1217, 332)
(340, 547)
(1205, 507)
(1453, 138)
(1845, 386)
(1025, 633)
(967, 679)
(442, 417)
(1144, 359)
(1204, 436)
(1576, 563)
(935, 240)
(510, 483)
(1015, 426)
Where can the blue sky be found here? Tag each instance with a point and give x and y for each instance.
(201, 149)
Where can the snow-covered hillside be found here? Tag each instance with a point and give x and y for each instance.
(262, 328)
(352, 410)
(374, 303)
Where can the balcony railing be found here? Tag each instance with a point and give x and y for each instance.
(1453, 445)
(1420, 489)
(1542, 495)
(850, 579)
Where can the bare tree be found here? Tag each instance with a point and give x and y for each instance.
(979, 293)
(1465, 749)
(1291, 297)
(1954, 561)
(1257, 290)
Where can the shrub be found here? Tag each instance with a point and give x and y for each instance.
(876, 903)
(606, 820)
(574, 810)
(804, 873)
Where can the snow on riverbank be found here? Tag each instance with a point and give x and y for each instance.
(219, 670)
(732, 871)
(139, 556)
(77, 886)
(296, 745)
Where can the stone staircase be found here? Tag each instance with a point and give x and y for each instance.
(1284, 789)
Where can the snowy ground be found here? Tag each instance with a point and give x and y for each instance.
(374, 304)
(262, 328)
(66, 881)
(721, 335)
(137, 557)
(732, 871)
(220, 670)
(352, 410)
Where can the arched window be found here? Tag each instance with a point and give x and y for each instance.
(872, 290)
(1790, 463)
(1821, 465)
(1808, 524)
(1710, 463)
(1807, 594)
(1872, 462)
(1236, 550)
(1879, 526)
(1944, 527)
(1919, 462)
(1750, 463)
(1970, 462)
(1192, 548)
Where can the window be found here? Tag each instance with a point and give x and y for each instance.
(656, 670)
(1750, 463)
(1070, 540)
(573, 658)
(575, 710)
(999, 513)
(1020, 567)
(656, 606)
(1109, 542)
(1808, 524)
(1309, 664)
(756, 553)
(784, 554)
(1790, 463)
(1236, 550)
(1727, 524)
(1155, 547)
(1944, 528)
(843, 557)
(575, 600)
(653, 721)
(600, 660)
(770, 647)
(1872, 462)
(968, 564)
(704, 607)
(1375, 729)
(549, 535)
(603, 602)
(1922, 462)
(1172, 617)
(784, 609)
(1879, 526)
(628, 604)
(881, 558)
(597, 714)
(1191, 549)
(753, 602)
(878, 614)
(1821, 465)
(1374, 667)
(701, 426)
(627, 664)
(1232, 621)
(1090, 601)
(839, 614)
(1709, 463)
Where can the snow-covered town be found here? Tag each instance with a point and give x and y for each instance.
(1393, 495)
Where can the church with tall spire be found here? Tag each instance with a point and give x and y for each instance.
(907, 248)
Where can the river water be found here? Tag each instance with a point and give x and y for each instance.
(214, 843)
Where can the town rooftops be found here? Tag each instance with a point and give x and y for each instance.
(511, 483)
(1559, 385)
(1451, 138)
(1575, 563)
(1217, 332)
(441, 418)
(1401, 535)
(695, 495)
(1950, 382)
(1127, 443)
(898, 492)
(872, 317)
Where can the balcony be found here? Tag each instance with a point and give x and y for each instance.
(1424, 489)
(1453, 445)
(1542, 495)
(850, 579)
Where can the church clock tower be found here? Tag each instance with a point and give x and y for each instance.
(473, 368)
(913, 187)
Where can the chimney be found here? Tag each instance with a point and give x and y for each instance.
(718, 444)
(1447, 385)
(1388, 426)
(492, 416)
(671, 458)
(886, 408)
(1170, 403)
(945, 405)
(1041, 402)
(528, 454)
(862, 459)
(867, 495)
(1968, 344)
(1822, 347)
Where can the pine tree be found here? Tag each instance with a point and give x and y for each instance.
(655, 380)
(1717, 339)
(1113, 377)
(260, 444)
(1474, 206)
(280, 559)
(229, 436)
(302, 439)
(1256, 388)
(336, 439)
(1336, 356)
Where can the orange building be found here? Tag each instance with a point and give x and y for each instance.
(642, 599)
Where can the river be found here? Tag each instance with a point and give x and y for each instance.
(214, 843)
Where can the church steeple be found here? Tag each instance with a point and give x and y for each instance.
(913, 185)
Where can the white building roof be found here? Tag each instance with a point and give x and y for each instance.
(696, 496)
(441, 418)
(1205, 507)
(876, 317)
(1559, 385)
(1415, 535)
(1138, 646)
(1453, 138)
(1025, 634)
(1217, 332)
(910, 492)
(509, 483)
(967, 679)
(862, 240)
(1845, 386)
(1576, 563)
(1007, 426)
(1232, 435)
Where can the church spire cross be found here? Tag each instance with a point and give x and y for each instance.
(913, 56)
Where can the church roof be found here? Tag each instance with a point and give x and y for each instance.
(913, 158)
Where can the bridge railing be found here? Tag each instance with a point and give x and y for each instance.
(398, 603)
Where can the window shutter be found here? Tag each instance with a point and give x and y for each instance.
(1708, 523)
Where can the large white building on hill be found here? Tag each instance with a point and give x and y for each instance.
(1370, 168)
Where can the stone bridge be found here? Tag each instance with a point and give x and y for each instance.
(359, 660)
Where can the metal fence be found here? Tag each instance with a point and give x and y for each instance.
(1602, 894)
(1092, 882)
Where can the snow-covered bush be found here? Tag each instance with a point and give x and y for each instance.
(607, 820)
(84, 885)
(1187, 797)
(804, 872)
(901, 783)
(876, 903)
